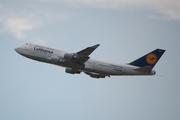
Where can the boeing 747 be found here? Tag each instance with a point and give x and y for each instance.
(75, 63)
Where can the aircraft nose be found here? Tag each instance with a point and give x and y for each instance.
(16, 49)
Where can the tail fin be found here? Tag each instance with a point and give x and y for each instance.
(149, 59)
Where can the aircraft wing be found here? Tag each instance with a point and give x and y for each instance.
(79, 58)
(87, 51)
(83, 55)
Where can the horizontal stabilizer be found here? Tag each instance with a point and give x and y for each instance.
(145, 69)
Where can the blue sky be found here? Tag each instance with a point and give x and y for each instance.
(125, 30)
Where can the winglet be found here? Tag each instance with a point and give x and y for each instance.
(95, 46)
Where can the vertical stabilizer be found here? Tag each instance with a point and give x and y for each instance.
(149, 59)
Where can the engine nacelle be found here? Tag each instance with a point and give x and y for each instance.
(97, 76)
(56, 60)
(70, 56)
(72, 71)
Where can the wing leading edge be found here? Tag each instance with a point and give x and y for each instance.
(87, 51)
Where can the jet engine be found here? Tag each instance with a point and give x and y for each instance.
(97, 76)
(72, 71)
(56, 60)
(70, 56)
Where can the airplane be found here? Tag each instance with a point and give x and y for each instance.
(77, 62)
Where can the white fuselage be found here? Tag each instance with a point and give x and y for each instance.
(56, 57)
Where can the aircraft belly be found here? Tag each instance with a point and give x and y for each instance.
(100, 69)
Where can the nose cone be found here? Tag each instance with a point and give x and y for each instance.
(17, 50)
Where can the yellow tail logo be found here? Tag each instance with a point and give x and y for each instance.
(151, 58)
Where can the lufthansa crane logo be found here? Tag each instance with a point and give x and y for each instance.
(151, 58)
